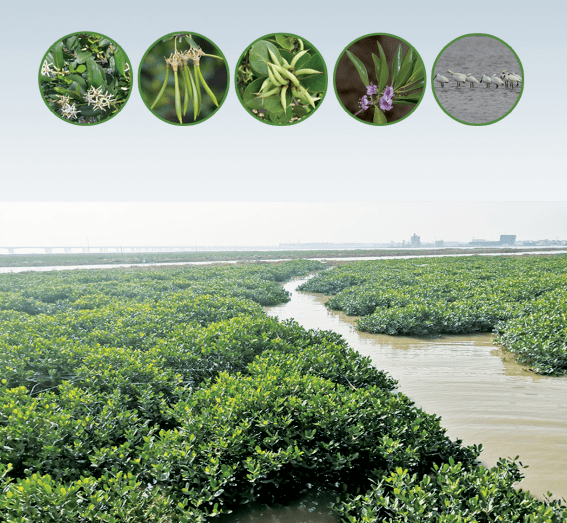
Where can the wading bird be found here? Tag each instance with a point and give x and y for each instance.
(497, 81)
(441, 79)
(459, 77)
(486, 79)
(472, 80)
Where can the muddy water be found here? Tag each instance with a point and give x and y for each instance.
(482, 396)
(478, 55)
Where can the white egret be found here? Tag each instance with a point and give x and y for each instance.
(514, 78)
(459, 77)
(486, 79)
(497, 81)
(472, 80)
(441, 79)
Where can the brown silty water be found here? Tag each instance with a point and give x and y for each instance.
(480, 393)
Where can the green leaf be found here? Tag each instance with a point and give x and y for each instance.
(279, 118)
(284, 41)
(273, 104)
(83, 56)
(78, 79)
(361, 69)
(377, 68)
(81, 69)
(72, 43)
(401, 101)
(287, 55)
(384, 70)
(414, 98)
(406, 68)
(396, 66)
(89, 110)
(104, 42)
(300, 111)
(95, 73)
(120, 59)
(249, 97)
(379, 117)
(418, 71)
(259, 55)
(316, 83)
(58, 59)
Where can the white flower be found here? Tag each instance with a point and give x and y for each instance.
(97, 99)
(46, 69)
(69, 112)
(63, 100)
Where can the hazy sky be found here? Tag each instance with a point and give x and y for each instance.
(257, 224)
(330, 157)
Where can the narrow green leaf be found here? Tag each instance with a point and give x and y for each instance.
(58, 59)
(384, 70)
(401, 101)
(361, 69)
(406, 68)
(418, 71)
(379, 117)
(397, 64)
(377, 68)
(191, 42)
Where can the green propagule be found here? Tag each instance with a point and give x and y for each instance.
(191, 80)
(283, 76)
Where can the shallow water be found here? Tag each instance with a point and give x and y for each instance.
(477, 55)
(481, 395)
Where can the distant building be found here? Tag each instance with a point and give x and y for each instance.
(439, 243)
(505, 239)
(415, 240)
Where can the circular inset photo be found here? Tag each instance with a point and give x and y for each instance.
(477, 79)
(183, 78)
(281, 79)
(85, 78)
(379, 79)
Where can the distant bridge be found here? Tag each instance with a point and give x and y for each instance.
(112, 249)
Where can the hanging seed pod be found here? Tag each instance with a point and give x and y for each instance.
(160, 94)
(206, 87)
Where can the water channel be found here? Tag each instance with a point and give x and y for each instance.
(481, 395)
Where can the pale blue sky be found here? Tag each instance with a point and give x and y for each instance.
(328, 158)
(232, 157)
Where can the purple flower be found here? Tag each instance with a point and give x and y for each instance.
(385, 103)
(389, 92)
(365, 102)
(371, 89)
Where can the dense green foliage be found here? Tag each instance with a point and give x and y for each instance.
(523, 299)
(137, 396)
(92, 258)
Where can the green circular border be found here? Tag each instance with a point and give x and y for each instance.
(372, 124)
(433, 74)
(227, 79)
(129, 92)
(262, 119)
